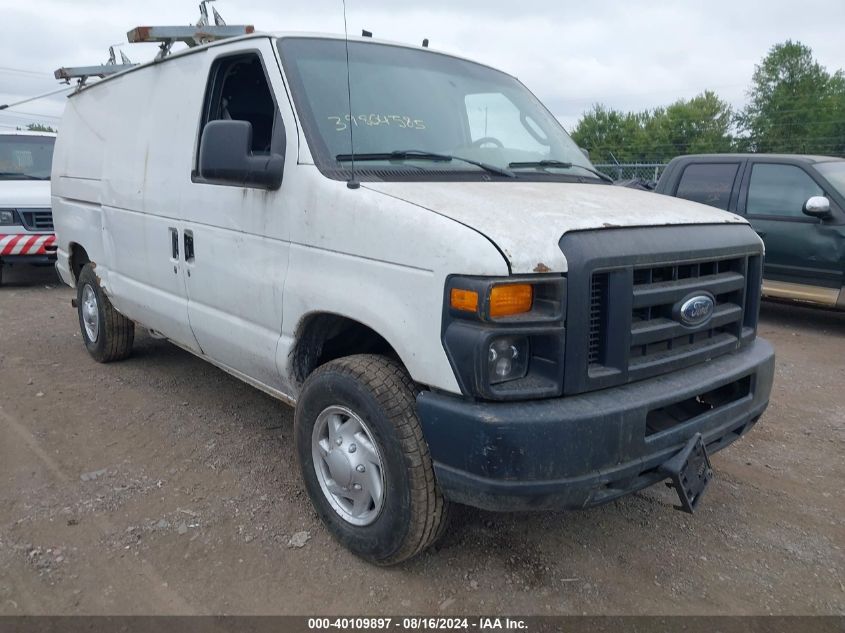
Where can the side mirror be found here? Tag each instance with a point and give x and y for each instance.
(226, 157)
(585, 151)
(817, 207)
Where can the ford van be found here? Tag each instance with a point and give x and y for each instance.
(406, 246)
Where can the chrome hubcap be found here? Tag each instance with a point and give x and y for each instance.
(348, 465)
(90, 313)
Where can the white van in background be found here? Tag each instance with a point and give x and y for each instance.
(26, 221)
(460, 307)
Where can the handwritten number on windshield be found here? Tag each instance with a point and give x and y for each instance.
(342, 123)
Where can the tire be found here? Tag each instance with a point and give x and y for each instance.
(379, 397)
(108, 335)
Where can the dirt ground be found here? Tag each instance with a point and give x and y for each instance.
(163, 485)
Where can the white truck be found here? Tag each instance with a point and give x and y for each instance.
(458, 305)
(26, 221)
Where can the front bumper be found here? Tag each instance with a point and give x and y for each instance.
(588, 449)
(28, 248)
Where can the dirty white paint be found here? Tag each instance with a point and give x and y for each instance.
(265, 261)
(527, 219)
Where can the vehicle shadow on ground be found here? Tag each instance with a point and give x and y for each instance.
(532, 549)
(518, 544)
(22, 276)
(521, 542)
(803, 318)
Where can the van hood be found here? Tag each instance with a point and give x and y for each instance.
(526, 220)
(24, 194)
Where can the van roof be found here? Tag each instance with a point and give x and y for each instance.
(273, 35)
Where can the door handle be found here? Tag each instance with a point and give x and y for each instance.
(188, 236)
(174, 243)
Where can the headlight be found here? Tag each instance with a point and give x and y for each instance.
(507, 359)
(8, 217)
(504, 336)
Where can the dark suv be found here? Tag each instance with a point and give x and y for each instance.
(796, 203)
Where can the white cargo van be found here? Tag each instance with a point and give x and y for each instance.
(469, 314)
(26, 222)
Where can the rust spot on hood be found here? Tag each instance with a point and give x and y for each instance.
(542, 268)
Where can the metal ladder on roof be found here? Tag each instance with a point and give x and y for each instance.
(197, 34)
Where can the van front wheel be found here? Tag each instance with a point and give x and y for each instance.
(364, 461)
(108, 335)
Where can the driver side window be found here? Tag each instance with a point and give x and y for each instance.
(495, 117)
(238, 90)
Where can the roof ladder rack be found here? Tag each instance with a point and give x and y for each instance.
(202, 32)
(83, 72)
(193, 35)
(190, 35)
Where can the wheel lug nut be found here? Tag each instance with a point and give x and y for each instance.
(360, 468)
(356, 486)
(352, 448)
(339, 441)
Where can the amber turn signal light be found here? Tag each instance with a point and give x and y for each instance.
(510, 299)
(464, 300)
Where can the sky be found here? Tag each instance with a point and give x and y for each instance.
(628, 55)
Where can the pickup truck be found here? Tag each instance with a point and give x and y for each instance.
(796, 203)
(26, 221)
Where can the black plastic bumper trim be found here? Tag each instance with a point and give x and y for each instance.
(583, 450)
(34, 260)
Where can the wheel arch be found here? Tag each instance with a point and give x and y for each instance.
(325, 336)
(77, 258)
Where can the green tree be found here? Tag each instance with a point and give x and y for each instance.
(608, 134)
(795, 104)
(701, 124)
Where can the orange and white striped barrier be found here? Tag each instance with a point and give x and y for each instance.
(26, 244)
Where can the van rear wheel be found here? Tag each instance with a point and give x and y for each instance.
(108, 335)
(364, 461)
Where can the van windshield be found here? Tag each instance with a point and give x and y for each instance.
(25, 157)
(439, 116)
(834, 171)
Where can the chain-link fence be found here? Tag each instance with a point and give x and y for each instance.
(650, 172)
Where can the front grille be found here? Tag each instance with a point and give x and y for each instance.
(37, 219)
(598, 313)
(654, 340)
(625, 291)
(657, 337)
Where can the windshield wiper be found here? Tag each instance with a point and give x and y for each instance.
(560, 165)
(414, 154)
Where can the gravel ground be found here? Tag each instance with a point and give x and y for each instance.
(163, 485)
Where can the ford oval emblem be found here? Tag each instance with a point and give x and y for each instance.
(696, 310)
